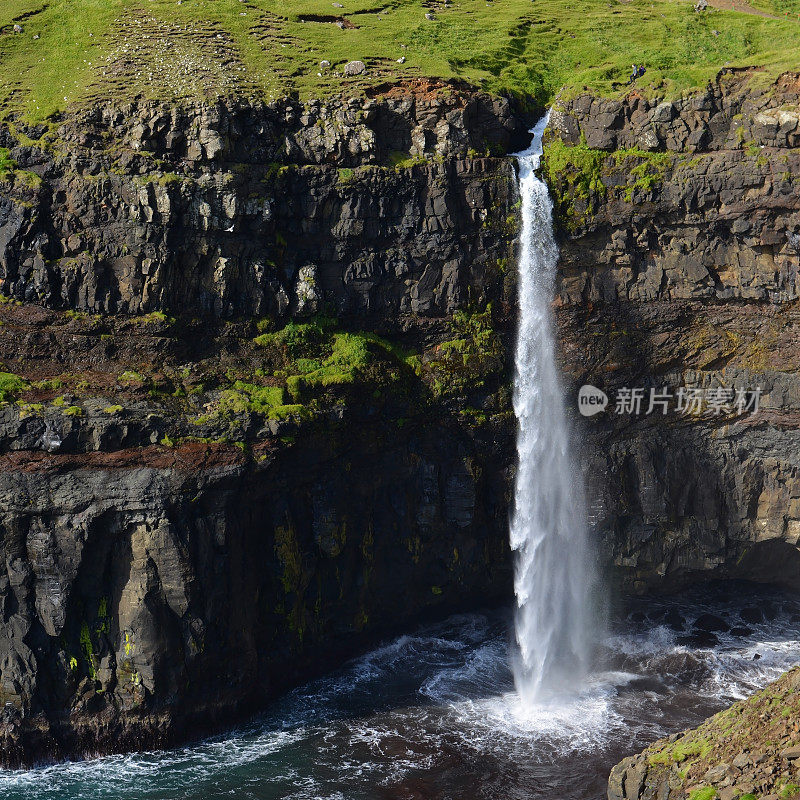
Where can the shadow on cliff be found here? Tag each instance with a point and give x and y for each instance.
(672, 499)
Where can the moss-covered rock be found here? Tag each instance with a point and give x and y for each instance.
(750, 750)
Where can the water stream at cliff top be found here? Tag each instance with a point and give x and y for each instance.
(553, 579)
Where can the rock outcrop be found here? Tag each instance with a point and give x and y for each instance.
(384, 204)
(680, 257)
(750, 750)
(707, 207)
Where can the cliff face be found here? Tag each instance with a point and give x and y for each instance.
(149, 594)
(680, 255)
(198, 510)
(381, 206)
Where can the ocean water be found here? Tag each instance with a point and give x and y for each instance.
(434, 714)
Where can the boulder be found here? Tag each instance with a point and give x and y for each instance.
(711, 623)
(752, 615)
(353, 68)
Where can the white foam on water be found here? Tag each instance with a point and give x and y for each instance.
(442, 697)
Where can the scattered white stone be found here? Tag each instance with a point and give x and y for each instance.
(430, 15)
(401, 60)
(18, 29)
(338, 5)
(35, 35)
(354, 68)
(324, 64)
(306, 290)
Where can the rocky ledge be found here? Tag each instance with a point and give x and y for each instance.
(751, 751)
(384, 205)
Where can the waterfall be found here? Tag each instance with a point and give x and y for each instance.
(554, 576)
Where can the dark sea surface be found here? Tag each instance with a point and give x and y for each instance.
(433, 715)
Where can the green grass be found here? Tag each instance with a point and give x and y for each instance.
(579, 165)
(11, 385)
(247, 397)
(682, 750)
(575, 175)
(299, 340)
(350, 355)
(7, 164)
(704, 793)
(507, 45)
(316, 357)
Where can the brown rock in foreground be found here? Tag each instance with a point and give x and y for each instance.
(748, 751)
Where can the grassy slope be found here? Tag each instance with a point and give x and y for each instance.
(98, 48)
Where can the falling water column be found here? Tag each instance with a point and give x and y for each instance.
(554, 577)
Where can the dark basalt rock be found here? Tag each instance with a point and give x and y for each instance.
(674, 619)
(698, 638)
(711, 623)
(752, 615)
(193, 585)
(385, 206)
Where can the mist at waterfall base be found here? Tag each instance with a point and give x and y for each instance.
(555, 621)
(433, 715)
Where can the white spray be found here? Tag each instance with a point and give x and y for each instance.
(553, 571)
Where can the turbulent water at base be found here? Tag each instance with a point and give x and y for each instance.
(553, 576)
(434, 716)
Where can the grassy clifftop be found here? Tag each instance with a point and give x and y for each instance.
(70, 52)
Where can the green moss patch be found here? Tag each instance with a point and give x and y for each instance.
(467, 361)
(11, 385)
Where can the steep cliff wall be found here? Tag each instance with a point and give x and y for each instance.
(197, 511)
(218, 476)
(680, 255)
(385, 204)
